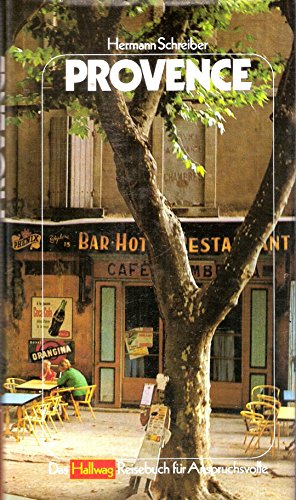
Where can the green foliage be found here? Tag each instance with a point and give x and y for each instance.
(33, 60)
(79, 123)
(64, 30)
(139, 9)
(21, 117)
(181, 153)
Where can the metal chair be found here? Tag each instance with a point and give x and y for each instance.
(67, 392)
(36, 415)
(53, 409)
(86, 401)
(269, 425)
(8, 387)
(11, 383)
(253, 425)
(267, 390)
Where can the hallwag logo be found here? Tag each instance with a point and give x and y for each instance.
(25, 239)
(92, 469)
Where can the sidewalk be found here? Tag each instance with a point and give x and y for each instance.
(37, 472)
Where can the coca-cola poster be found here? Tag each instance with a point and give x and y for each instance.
(52, 317)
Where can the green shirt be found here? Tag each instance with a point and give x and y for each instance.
(73, 378)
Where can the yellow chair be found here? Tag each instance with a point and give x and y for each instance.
(36, 415)
(267, 390)
(269, 399)
(53, 409)
(11, 383)
(64, 404)
(86, 401)
(253, 423)
(8, 387)
(269, 425)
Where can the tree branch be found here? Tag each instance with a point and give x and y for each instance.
(18, 13)
(174, 23)
(136, 176)
(266, 210)
(288, 9)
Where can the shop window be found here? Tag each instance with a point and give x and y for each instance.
(256, 379)
(258, 328)
(226, 351)
(107, 383)
(107, 341)
(141, 311)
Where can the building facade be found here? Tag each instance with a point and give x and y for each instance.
(88, 262)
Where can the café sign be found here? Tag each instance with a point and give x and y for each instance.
(136, 269)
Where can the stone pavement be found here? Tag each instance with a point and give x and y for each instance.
(38, 472)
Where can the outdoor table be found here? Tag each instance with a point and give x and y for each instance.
(286, 415)
(36, 385)
(289, 396)
(15, 399)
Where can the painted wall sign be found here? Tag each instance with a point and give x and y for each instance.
(54, 350)
(212, 245)
(26, 239)
(202, 238)
(52, 317)
(201, 270)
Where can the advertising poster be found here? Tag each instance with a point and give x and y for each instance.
(137, 342)
(53, 350)
(147, 249)
(51, 317)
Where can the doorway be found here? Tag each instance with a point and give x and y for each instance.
(120, 308)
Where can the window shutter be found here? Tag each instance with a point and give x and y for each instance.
(58, 162)
(81, 168)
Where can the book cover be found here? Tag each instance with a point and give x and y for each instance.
(147, 206)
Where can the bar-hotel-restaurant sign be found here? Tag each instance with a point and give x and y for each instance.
(125, 238)
(52, 317)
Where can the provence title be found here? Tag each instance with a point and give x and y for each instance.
(181, 74)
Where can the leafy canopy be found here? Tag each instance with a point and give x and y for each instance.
(67, 30)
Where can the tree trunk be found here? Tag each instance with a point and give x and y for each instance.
(188, 396)
(191, 315)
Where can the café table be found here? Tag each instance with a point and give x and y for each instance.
(19, 400)
(289, 396)
(37, 385)
(286, 415)
(48, 386)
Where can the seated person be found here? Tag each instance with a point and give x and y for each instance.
(71, 377)
(47, 373)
